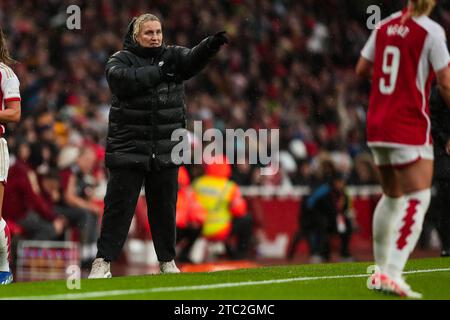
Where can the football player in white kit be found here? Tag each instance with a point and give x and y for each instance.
(9, 112)
(402, 57)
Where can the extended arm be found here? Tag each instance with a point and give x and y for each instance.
(192, 61)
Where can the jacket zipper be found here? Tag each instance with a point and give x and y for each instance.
(152, 61)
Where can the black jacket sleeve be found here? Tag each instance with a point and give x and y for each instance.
(440, 119)
(191, 61)
(126, 80)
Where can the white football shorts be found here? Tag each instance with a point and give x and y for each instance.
(4, 160)
(400, 156)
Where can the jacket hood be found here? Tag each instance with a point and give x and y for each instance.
(131, 45)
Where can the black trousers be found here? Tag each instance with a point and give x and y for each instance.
(122, 192)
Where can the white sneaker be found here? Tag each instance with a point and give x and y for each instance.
(168, 267)
(397, 287)
(100, 269)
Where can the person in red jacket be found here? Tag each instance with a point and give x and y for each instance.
(24, 203)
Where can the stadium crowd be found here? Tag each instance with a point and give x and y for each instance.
(289, 65)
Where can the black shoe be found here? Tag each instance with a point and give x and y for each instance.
(445, 253)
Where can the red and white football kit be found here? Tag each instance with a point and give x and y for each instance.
(9, 92)
(405, 56)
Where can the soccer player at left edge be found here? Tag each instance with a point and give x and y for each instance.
(9, 112)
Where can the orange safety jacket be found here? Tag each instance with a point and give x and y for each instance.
(222, 200)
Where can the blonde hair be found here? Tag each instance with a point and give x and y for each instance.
(4, 52)
(140, 20)
(421, 7)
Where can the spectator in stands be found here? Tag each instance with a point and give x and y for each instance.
(78, 183)
(364, 171)
(324, 213)
(227, 217)
(25, 203)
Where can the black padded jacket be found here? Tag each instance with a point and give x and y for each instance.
(145, 110)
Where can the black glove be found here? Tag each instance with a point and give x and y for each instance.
(218, 40)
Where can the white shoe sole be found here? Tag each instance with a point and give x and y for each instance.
(105, 276)
(170, 272)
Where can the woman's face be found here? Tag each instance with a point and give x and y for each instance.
(150, 35)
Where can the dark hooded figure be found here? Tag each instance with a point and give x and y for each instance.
(146, 82)
(440, 130)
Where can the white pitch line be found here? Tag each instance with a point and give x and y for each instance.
(112, 293)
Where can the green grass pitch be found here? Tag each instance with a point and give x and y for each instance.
(431, 277)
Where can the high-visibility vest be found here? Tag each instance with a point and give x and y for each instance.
(214, 194)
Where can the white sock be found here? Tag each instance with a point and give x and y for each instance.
(4, 246)
(387, 211)
(407, 231)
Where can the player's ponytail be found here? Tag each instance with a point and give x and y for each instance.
(422, 7)
(4, 52)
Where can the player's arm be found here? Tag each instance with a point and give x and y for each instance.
(10, 87)
(11, 113)
(364, 68)
(439, 58)
(443, 81)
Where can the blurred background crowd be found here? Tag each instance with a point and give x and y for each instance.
(289, 65)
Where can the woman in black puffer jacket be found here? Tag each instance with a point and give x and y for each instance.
(146, 82)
